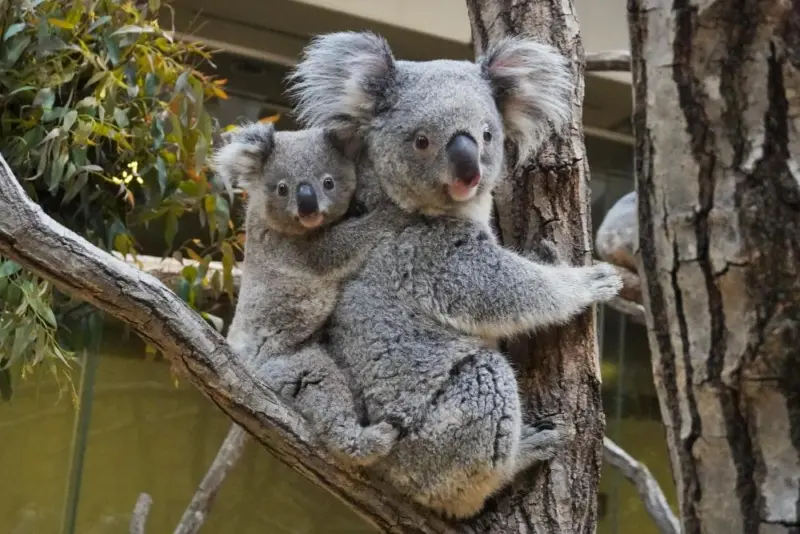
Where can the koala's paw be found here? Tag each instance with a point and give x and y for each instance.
(602, 282)
(378, 439)
(541, 440)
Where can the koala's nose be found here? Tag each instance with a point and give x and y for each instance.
(307, 203)
(462, 151)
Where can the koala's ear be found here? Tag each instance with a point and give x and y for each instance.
(349, 146)
(341, 80)
(241, 161)
(532, 84)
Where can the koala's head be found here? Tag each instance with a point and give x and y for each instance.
(435, 131)
(297, 181)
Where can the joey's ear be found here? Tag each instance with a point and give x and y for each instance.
(341, 80)
(349, 146)
(241, 161)
(532, 84)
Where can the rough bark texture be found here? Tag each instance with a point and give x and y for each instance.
(548, 197)
(717, 112)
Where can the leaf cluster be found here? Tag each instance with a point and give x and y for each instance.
(104, 121)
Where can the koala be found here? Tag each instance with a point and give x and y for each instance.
(298, 185)
(411, 326)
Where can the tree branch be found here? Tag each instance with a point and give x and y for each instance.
(650, 492)
(140, 513)
(633, 310)
(227, 456)
(611, 60)
(78, 268)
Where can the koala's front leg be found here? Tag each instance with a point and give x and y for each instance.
(311, 382)
(485, 290)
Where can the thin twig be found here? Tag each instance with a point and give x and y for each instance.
(140, 513)
(646, 485)
(612, 60)
(633, 310)
(203, 499)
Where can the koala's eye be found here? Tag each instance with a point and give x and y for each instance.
(327, 183)
(421, 142)
(487, 136)
(283, 189)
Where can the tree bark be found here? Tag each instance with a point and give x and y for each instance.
(548, 197)
(717, 112)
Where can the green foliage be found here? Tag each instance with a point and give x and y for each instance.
(104, 124)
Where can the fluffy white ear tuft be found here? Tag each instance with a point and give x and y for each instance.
(241, 160)
(341, 80)
(532, 84)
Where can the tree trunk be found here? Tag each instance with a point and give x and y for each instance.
(548, 197)
(717, 112)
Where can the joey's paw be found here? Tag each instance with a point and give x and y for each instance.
(603, 282)
(380, 438)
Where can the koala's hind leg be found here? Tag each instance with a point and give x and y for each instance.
(315, 386)
(468, 443)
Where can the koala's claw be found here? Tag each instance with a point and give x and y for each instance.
(603, 282)
(543, 425)
(541, 440)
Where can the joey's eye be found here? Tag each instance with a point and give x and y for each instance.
(283, 189)
(487, 136)
(327, 183)
(421, 142)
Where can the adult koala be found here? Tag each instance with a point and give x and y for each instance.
(408, 327)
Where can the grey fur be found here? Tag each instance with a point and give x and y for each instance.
(292, 277)
(412, 326)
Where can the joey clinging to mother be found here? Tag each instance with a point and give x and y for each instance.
(298, 251)
(407, 326)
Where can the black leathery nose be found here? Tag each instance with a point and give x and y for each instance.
(307, 203)
(462, 151)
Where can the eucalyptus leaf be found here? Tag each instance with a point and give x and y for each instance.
(13, 30)
(9, 268)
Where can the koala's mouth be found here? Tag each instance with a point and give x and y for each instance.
(311, 221)
(463, 190)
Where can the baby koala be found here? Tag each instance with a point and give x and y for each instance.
(298, 185)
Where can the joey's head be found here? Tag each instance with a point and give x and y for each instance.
(297, 181)
(435, 131)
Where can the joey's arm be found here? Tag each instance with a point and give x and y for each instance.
(486, 290)
(342, 247)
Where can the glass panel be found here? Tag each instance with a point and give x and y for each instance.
(35, 435)
(148, 435)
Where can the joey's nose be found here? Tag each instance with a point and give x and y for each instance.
(307, 203)
(462, 151)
